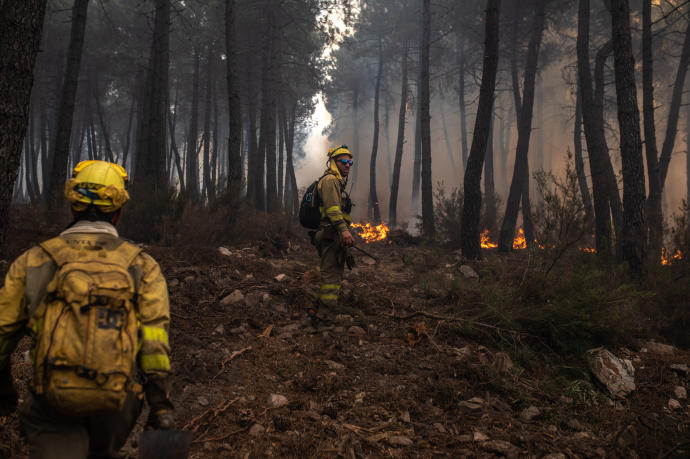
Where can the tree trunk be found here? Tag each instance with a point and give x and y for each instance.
(281, 151)
(374, 211)
(610, 178)
(687, 160)
(127, 136)
(101, 118)
(654, 214)
(291, 198)
(192, 180)
(594, 135)
(207, 124)
(461, 96)
(253, 146)
(449, 149)
(213, 179)
(393, 202)
(234, 107)
(151, 172)
(417, 160)
(355, 137)
(21, 24)
(471, 210)
(633, 248)
(579, 161)
(519, 187)
(490, 184)
(657, 181)
(65, 113)
(427, 186)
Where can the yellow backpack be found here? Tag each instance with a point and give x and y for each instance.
(85, 330)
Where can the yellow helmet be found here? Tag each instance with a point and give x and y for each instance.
(97, 183)
(341, 150)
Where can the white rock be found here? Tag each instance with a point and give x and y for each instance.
(203, 401)
(660, 348)
(468, 272)
(277, 400)
(189, 278)
(478, 436)
(680, 392)
(256, 430)
(674, 404)
(470, 406)
(234, 298)
(224, 251)
(529, 413)
(615, 373)
(281, 277)
(359, 398)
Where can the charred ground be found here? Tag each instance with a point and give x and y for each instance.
(428, 362)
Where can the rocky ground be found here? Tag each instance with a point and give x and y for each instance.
(399, 376)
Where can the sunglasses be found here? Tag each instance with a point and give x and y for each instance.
(346, 161)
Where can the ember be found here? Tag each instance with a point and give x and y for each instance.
(371, 233)
(667, 259)
(486, 242)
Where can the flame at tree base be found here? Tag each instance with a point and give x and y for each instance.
(371, 233)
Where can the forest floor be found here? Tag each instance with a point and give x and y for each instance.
(407, 373)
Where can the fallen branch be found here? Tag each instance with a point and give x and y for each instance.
(222, 437)
(232, 356)
(446, 318)
(216, 412)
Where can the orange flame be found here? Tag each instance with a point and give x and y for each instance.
(486, 242)
(371, 233)
(520, 242)
(589, 249)
(667, 259)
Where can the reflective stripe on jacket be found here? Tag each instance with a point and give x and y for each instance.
(332, 195)
(28, 276)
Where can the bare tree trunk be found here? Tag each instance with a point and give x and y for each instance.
(192, 180)
(172, 122)
(127, 136)
(387, 133)
(594, 134)
(101, 119)
(417, 160)
(45, 152)
(393, 202)
(519, 187)
(633, 247)
(234, 107)
(281, 148)
(489, 183)
(654, 215)
(151, 172)
(213, 182)
(207, 124)
(374, 211)
(658, 179)
(291, 198)
(579, 161)
(449, 149)
(355, 137)
(253, 147)
(687, 160)
(471, 210)
(65, 113)
(427, 186)
(461, 96)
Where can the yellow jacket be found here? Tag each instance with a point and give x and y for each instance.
(334, 199)
(28, 276)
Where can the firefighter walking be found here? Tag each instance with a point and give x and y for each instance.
(97, 310)
(333, 237)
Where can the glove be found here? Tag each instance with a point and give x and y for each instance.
(162, 414)
(8, 395)
(161, 420)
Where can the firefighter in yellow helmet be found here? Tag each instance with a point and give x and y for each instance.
(333, 237)
(97, 310)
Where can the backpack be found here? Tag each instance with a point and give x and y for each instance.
(309, 207)
(86, 331)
